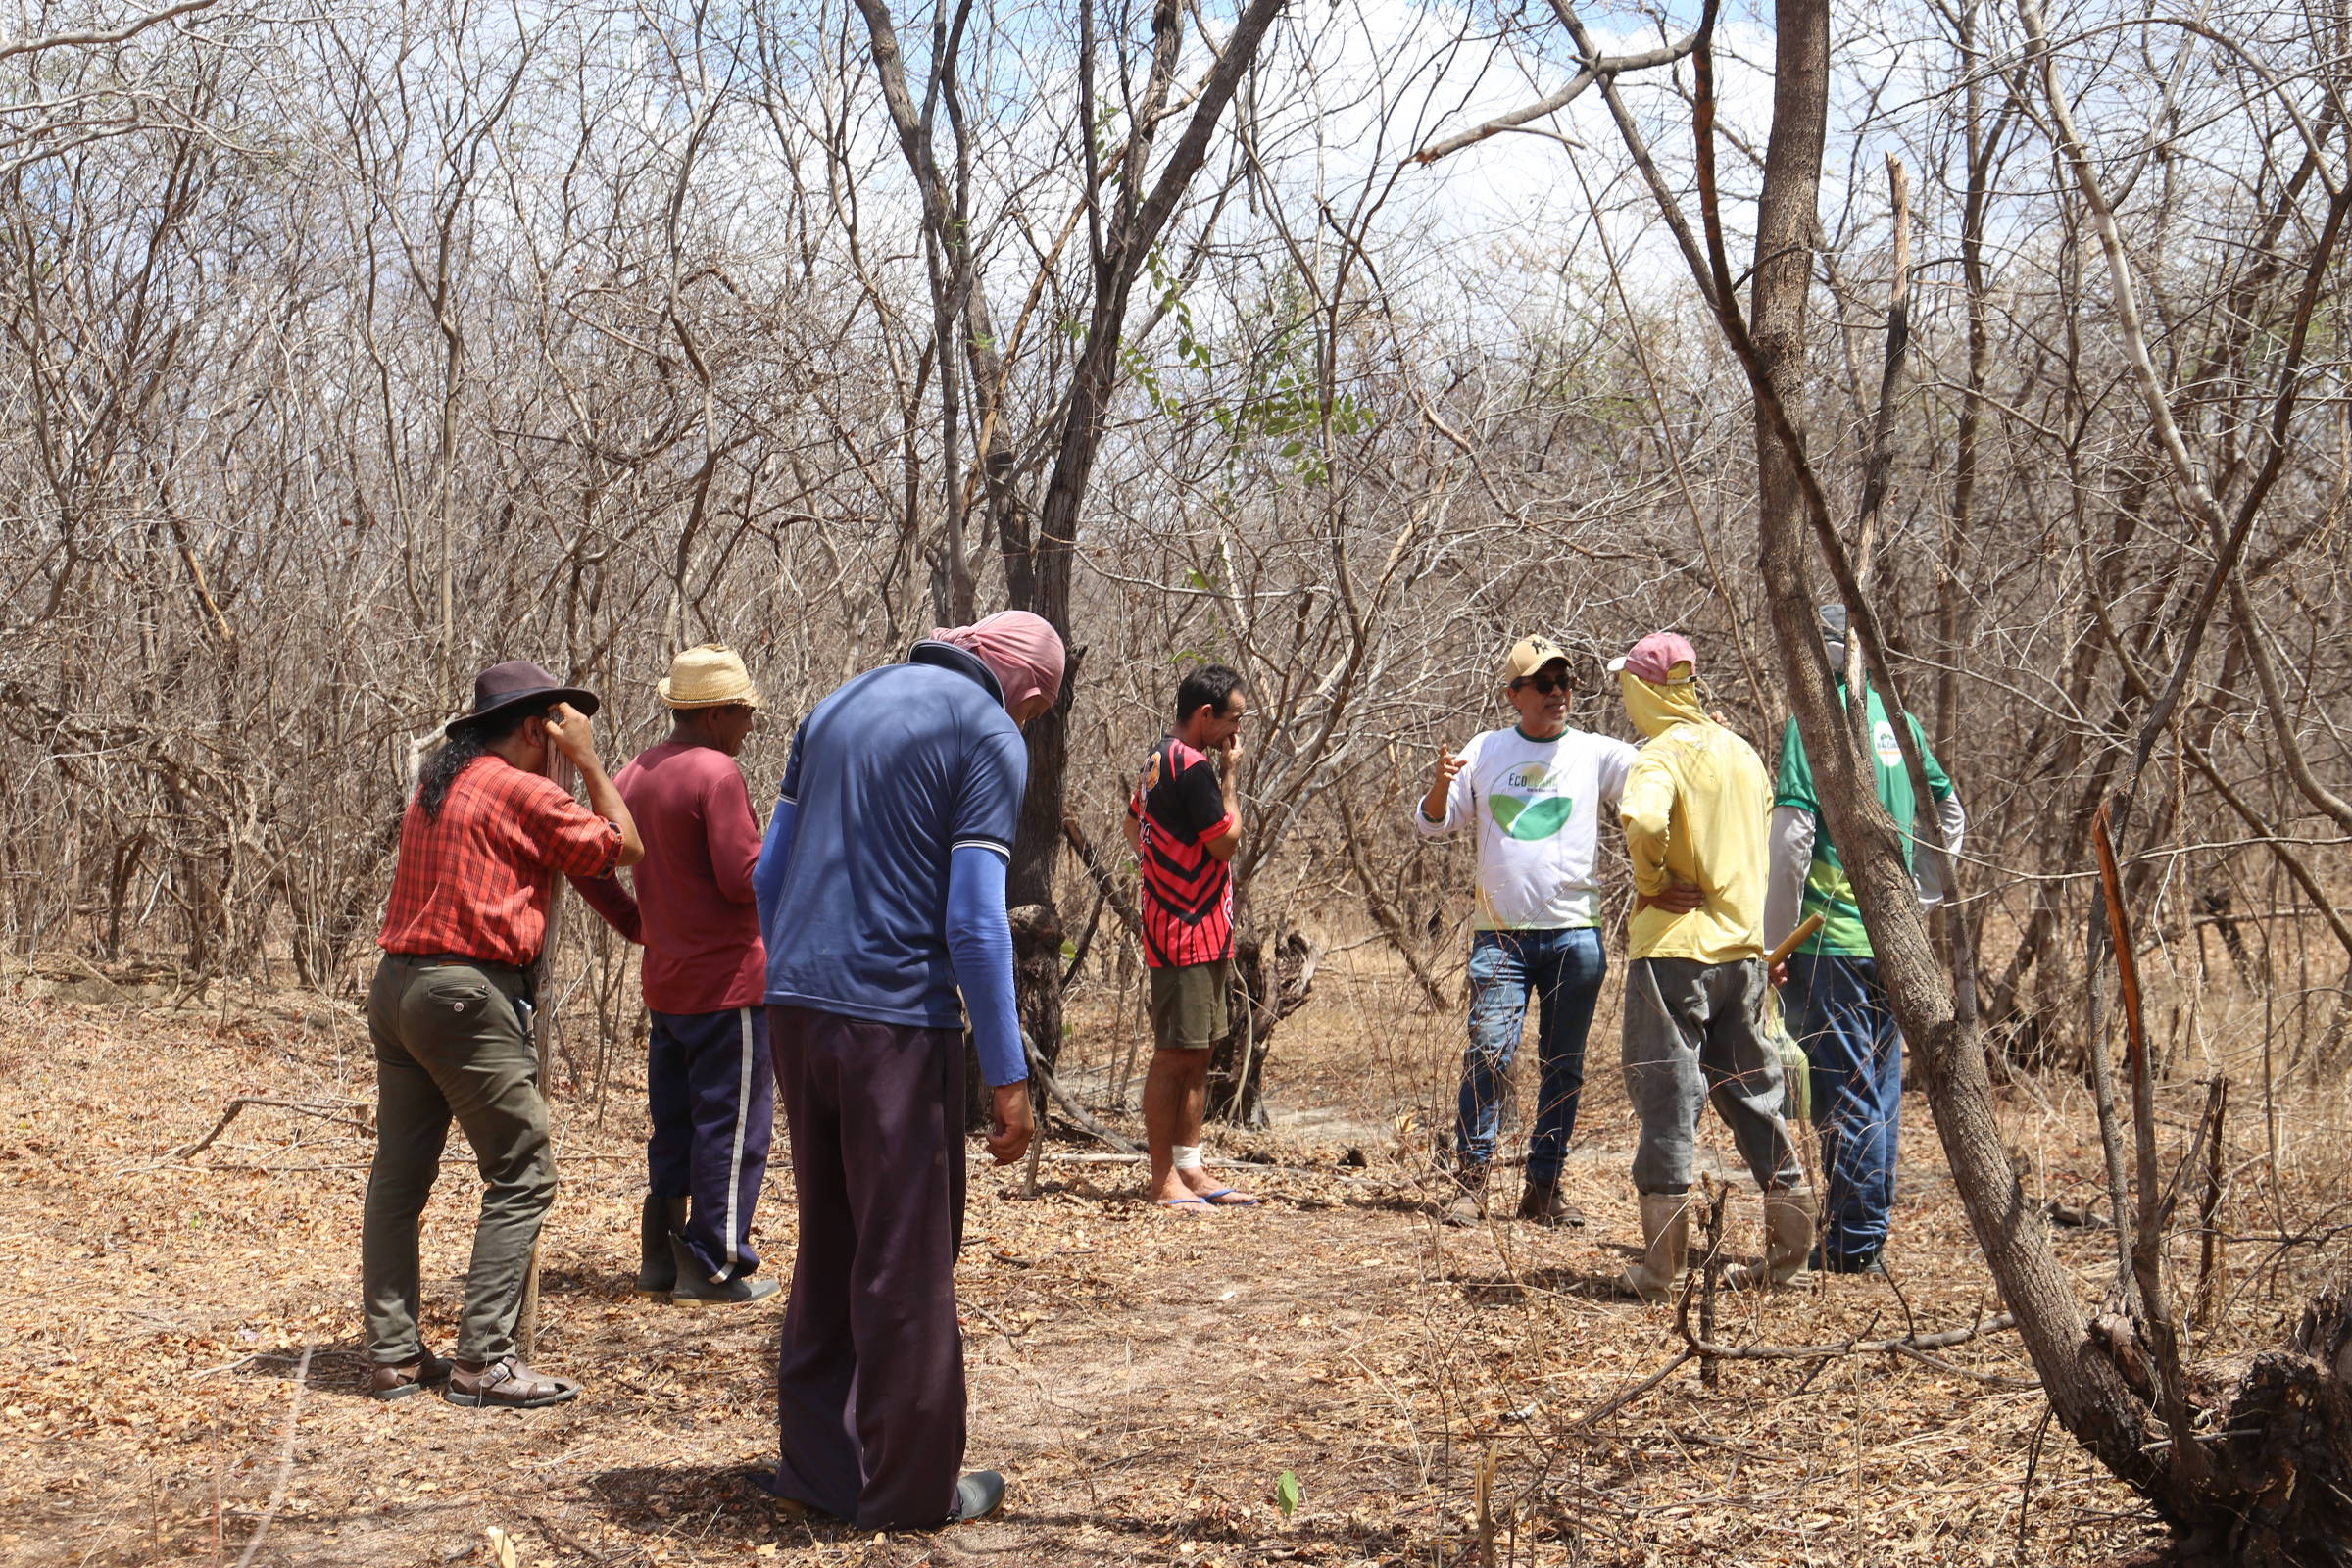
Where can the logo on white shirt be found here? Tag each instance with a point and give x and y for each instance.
(1526, 801)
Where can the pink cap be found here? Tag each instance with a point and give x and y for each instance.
(1654, 656)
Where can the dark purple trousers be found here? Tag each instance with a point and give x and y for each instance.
(869, 1380)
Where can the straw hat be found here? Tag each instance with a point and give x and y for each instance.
(710, 676)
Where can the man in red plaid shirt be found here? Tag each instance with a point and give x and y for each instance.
(448, 1017)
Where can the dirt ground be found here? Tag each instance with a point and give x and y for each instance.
(1144, 1379)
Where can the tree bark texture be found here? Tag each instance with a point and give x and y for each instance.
(1270, 982)
(2090, 1397)
(2271, 1493)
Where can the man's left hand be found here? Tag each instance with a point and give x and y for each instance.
(1679, 898)
(568, 733)
(1010, 1126)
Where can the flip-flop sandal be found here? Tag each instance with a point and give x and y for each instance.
(1225, 1198)
(1184, 1202)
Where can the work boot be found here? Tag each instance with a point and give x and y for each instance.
(1469, 1206)
(693, 1287)
(1540, 1203)
(1665, 1248)
(656, 1269)
(1788, 1239)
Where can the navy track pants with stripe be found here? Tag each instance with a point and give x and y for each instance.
(711, 1094)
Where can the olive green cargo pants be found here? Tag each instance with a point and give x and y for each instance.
(449, 1042)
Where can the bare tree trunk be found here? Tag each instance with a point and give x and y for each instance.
(2091, 1399)
(2264, 1497)
(1036, 568)
(1270, 982)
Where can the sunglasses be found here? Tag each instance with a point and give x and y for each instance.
(1547, 684)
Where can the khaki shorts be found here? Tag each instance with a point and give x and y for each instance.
(1188, 1004)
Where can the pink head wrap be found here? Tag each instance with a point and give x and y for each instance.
(1022, 651)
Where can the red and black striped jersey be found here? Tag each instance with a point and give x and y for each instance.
(1187, 893)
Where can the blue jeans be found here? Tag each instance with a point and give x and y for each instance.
(1564, 970)
(1839, 1013)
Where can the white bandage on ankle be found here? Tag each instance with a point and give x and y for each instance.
(1187, 1156)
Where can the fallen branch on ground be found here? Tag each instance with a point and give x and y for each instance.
(1618, 1402)
(285, 1459)
(1071, 1107)
(1998, 1380)
(1913, 1346)
(1221, 1163)
(333, 1113)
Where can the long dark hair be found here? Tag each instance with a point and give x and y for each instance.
(464, 744)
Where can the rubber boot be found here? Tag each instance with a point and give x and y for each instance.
(656, 1269)
(696, 1289)
(1787, 1241)
(1665, 1248)
(1469, 1206)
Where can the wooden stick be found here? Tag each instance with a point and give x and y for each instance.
(1793, 941)
(1711, 1269)
(190, 1150)
(543, 1017)
(1896, 1345)
(2211, 1263)
(2147, 1239)
(1618, 1402)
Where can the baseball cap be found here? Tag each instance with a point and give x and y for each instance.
(1655, 656)
(1531, 654)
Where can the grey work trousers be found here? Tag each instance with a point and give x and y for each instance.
(1693, 1032)
(450, 1043)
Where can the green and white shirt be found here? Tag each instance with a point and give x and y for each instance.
(1827, 891)
(1538, 806)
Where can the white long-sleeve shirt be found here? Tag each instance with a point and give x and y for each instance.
(1538, 806)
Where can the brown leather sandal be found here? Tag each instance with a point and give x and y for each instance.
(505, 1382)
(402, 1379)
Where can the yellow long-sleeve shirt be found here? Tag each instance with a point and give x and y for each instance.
(1695, 808)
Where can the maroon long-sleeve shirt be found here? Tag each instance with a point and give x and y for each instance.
(694, 909)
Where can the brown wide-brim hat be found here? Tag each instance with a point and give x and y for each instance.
(519, 683)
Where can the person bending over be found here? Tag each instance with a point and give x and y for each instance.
(881, 893)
